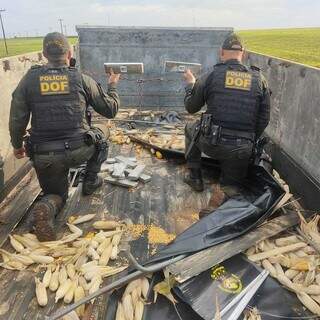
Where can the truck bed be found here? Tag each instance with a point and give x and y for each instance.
(164, 202)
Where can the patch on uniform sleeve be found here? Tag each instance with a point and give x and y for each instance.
(238, 80)
(54, 84)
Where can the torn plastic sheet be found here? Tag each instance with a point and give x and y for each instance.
(226, 283)
(235, 217)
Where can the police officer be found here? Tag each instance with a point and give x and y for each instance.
(238, 110)
(57, 96)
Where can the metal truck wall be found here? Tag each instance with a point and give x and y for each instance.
(295, 118)
(152, 46)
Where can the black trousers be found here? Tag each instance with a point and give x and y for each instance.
(234, 158)
(52, 168)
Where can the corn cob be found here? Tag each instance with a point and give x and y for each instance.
(70, 293)
(22, 258)
(41, 293)
(291, 273)
(286, 241)
(277, 251)
(87, 266)
(63, 276)
(309, 303)
(29, 243)
(16, 244)
(13, 265)
(54, 281)
(79, 294)
(64, 252)
(269, 267)
(135, 296)
(75, 229)
(47, 277)
(105, 256)
(108, 273)
(114, 252)
(63, 289)
(94, 244)
(93, 254)
(95, 284)
(103, 245)
(81, 261)
(83, 283)
(82, 219)
(106, 225)
(31, 236)
(80, 243)
(71, 270)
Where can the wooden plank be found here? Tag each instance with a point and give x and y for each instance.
(13, 211)
(204, 260)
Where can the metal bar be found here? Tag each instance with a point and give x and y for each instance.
(118, 283)
(4, 35)
(145, 122)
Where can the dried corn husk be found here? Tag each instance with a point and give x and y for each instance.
(310, 277)
(128, 307)
(135, 296)
(64, 252)
(299, 278)
(83, 283)
(138, 310)
(88, 266)
(120, 312)
(82, 219)
(41, 259)
(286, 241)
(277, 251)
(312, 289)
(13, 265)
(94, 244)
(80, 243)
(41, 293)
(31, 236)
(16, 244)
(131, 286)
(54, 281)
(63, 289)
(47, 277)
(78, 295)
(144, 287)
(103, 245)
(81, 261)
(106, 225)
(251, 251)
(105, 256)
(27, 242)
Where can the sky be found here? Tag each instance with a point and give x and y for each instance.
(37, 17)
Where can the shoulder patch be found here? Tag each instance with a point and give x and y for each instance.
(238, 80)
(255, 68)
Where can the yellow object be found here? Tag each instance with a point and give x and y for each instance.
(159, 155)
(41, 293)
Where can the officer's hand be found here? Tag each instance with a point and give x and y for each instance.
(188, 77)
(113, 78)
(19, 153)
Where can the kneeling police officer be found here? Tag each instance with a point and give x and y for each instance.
(238, 111)
(57, 97)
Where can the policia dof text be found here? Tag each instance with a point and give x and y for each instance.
(56, 96)
(237, 100)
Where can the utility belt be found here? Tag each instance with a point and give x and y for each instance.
(216, 134)
(92, 137)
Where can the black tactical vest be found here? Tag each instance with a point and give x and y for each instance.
(232, 93)
(58, 104)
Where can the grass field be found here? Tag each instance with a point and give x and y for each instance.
(300, 45)
(24, 45)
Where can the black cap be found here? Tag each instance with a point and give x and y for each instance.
(232, 42)
(55, 45)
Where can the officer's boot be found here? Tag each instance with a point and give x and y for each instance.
(44, 212)
(194, 179)
(91, 182)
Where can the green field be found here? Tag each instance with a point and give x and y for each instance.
(300, 45)
(24, 45)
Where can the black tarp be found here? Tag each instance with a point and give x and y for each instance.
(235, 217)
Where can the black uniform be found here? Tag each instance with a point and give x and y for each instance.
(57, 99)
(238, 110)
